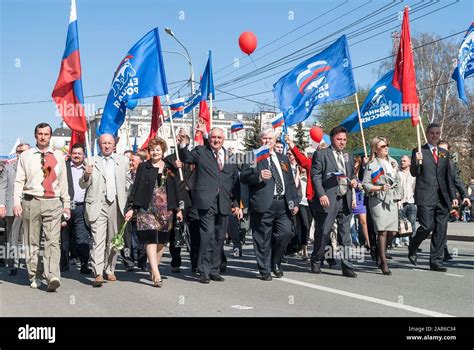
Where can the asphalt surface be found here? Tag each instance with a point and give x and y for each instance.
(409, 292)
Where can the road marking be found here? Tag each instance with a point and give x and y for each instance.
(366, 298)
(452, 274)
(358, 296)
(419, 270)
(242, 307)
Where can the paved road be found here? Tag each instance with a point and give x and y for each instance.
(409, 292)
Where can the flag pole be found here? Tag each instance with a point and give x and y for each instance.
(180, 170)
(419, 139)
(423, 130)
(360, 125)
(210, 110)
(126, 132)
(88, 147)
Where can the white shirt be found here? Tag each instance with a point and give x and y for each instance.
(221, 156)
(431, 149)
(77, 172)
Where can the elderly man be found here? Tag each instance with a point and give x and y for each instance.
(273, 201)
(105, 181)
(14, 231)
(41, 198)
(216, 192)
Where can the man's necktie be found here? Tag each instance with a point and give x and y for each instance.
(276, 176)
(435, 155)
(219, 161)
(110, 179)
(342, 181)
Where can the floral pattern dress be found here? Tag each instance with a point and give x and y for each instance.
(155, 222)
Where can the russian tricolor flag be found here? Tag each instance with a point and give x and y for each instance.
(67, 93)
(376, 175)
(236, 126)
(177, 107)
(262, 153)
(278, 120)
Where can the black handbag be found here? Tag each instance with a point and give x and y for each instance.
(182, 236)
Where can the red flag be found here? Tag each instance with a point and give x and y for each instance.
(67, 93)
(404, 77)
(156, 120)
(205, 117)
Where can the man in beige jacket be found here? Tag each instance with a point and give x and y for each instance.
(106, 195)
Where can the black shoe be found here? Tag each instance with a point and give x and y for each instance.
(277, 271)
(315, 268)
(266, 277)
(283, 260)
(195, 270)
(13, 272)
(216, 278)
(85, 270)
(331, 262)
(438, 268)
(388, 256)
(349, 273)
(412, 258)
(222, 267)
(419, 250)
(130, 268)
(205, 280)
(175, 269)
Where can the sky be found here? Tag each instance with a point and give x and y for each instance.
(33, 35)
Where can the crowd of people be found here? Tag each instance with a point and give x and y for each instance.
(75, 208)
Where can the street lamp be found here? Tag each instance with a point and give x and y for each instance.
(188, 58)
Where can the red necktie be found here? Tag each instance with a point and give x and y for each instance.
(435, 155)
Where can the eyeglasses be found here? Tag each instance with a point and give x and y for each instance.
(384, 146)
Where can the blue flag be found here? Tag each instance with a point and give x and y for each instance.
(382, 105)
(465, 65)
(207, 81)
(325, 77)
(140, 74)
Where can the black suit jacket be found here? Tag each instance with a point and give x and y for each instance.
(261, 191)
(142, 189)
(210, 181)
(432, 177)
(186, 186)
(324, 163)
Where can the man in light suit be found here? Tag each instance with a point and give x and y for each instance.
(333, 176)
(434, 197)
(216, 192)
(273, 201)
(105, 181)
(13, 229)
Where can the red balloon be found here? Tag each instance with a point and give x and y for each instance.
(316, 134)
(248, 42)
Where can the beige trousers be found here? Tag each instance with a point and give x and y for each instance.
(103, 257)
(42, 215)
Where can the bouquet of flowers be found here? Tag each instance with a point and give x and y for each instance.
(117, 240)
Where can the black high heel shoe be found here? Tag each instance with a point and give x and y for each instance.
(386, 272)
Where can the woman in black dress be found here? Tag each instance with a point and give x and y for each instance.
(154, 197)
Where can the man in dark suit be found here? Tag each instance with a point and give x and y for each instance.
(273, 201)
(434, 196)
(333, 177)
(75, 236)
(216, 192)
(458, 186)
